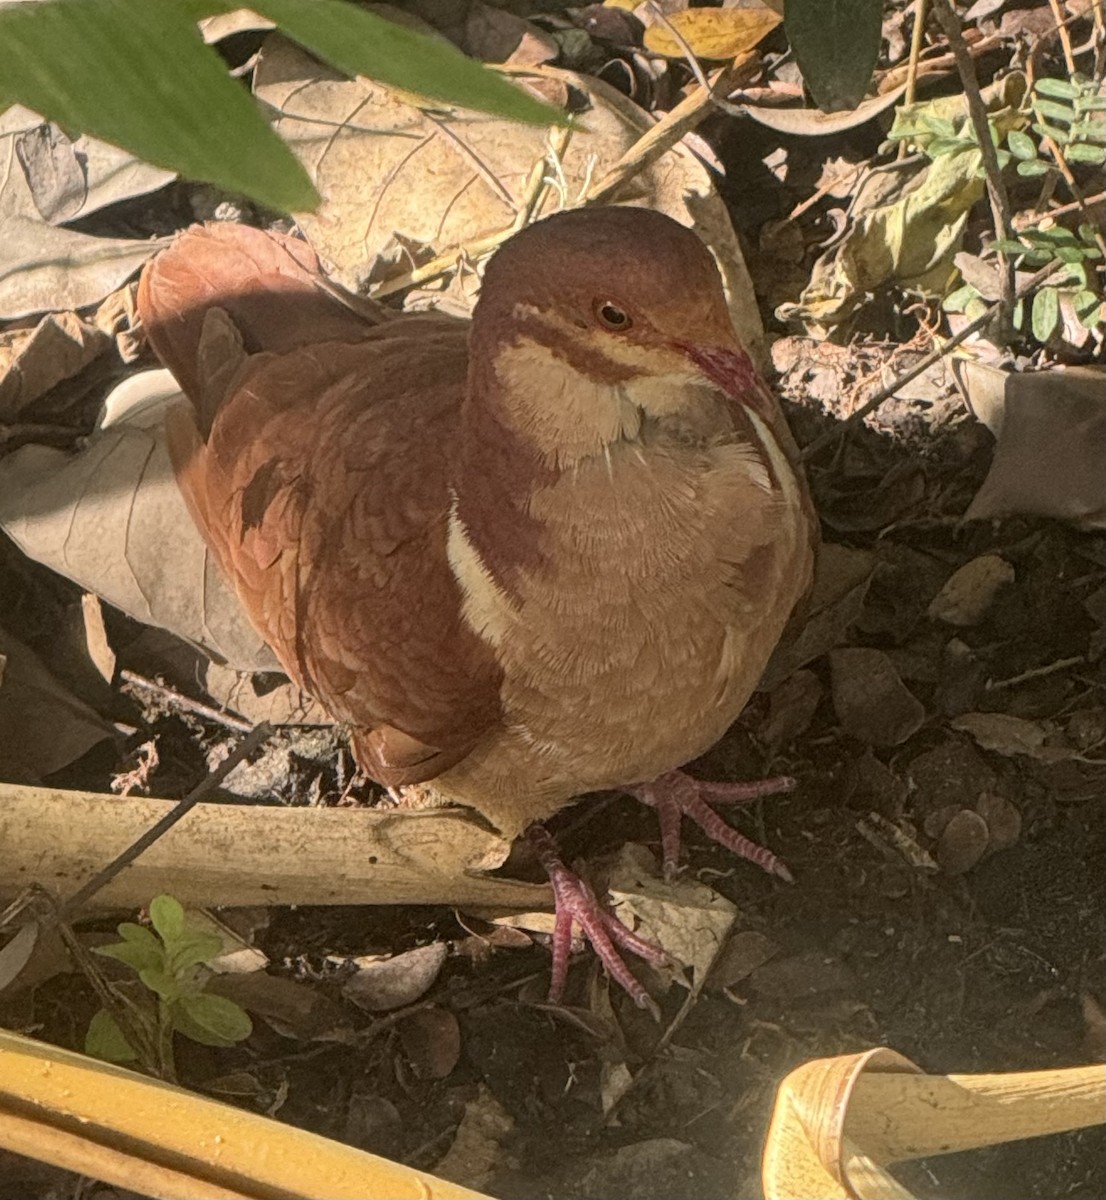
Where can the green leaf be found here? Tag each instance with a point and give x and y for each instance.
(1058, 112)
(362, 43)
(211, 1020)
(1008, 246)
(1061, 89)
(137, 74)
(1089, 131)
(1046, 313)
(1085, 154)
(938, 125)
(193, 947)
(1035, 167)
(1021, 144)
(836, 44)
(105, 1040)
(1057, 235)
(163, 984)
(167, 917)
(1088, 308)
(1071, 254)
(958, 301)
(1059, 136)
(940, 146)
(140, 956)
(1090, 104)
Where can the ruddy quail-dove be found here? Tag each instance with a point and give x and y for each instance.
(542, 553)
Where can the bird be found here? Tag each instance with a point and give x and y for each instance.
(539, 553)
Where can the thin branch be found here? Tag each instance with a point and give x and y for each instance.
(260, 734)
(185, 703)
(977, 112)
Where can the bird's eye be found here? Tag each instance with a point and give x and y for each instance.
(612, 317)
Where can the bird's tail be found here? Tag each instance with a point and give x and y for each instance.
(264, 290)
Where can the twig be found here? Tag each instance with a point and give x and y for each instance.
(184, 702)
(935, 355)
(260, 734)
(977, 112)
(917, 35)
(662, 137)
(1065, 36)
(1062, 664)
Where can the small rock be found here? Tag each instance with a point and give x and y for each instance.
(871, 701)
(963, 843)
(969, 592)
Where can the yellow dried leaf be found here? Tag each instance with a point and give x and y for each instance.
(712, 32)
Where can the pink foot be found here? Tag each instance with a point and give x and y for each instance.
(677, 795)
(575, 901)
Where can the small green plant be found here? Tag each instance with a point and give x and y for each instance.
(167, 998)
(1065, 113)
(1059, 123)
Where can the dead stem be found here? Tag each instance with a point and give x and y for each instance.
(977, 111)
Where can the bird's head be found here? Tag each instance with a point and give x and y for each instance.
(594, 321)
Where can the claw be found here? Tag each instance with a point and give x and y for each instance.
(677, 795)
(576, 902)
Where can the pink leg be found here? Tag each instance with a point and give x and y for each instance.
(677, 795)
(575, 901)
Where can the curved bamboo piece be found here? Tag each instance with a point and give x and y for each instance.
(149, 1137)
(839, 1123)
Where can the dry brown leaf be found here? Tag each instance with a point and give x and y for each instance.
(43, 726)
(1050, 427)
(45, 269)
(96, 638)
(871, 701)
(841, 579)
(477, 1148)
(715, 33)
(104, 516)
(969, 592)
(389, 170)
(395, 981)
(239, 692)
(293, 1009)
(240, 20)
(32, 361)
(431, 1040)
(688, 919)
(1009, 735)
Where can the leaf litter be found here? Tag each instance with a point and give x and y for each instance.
(942, 707)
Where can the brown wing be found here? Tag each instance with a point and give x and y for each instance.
(323, 489)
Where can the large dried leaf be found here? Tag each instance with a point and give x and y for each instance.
(43, 726)
(1050, 456)
(389, 171)
(32, 361)
(44, 269)
(105, 516)
(70, 178)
